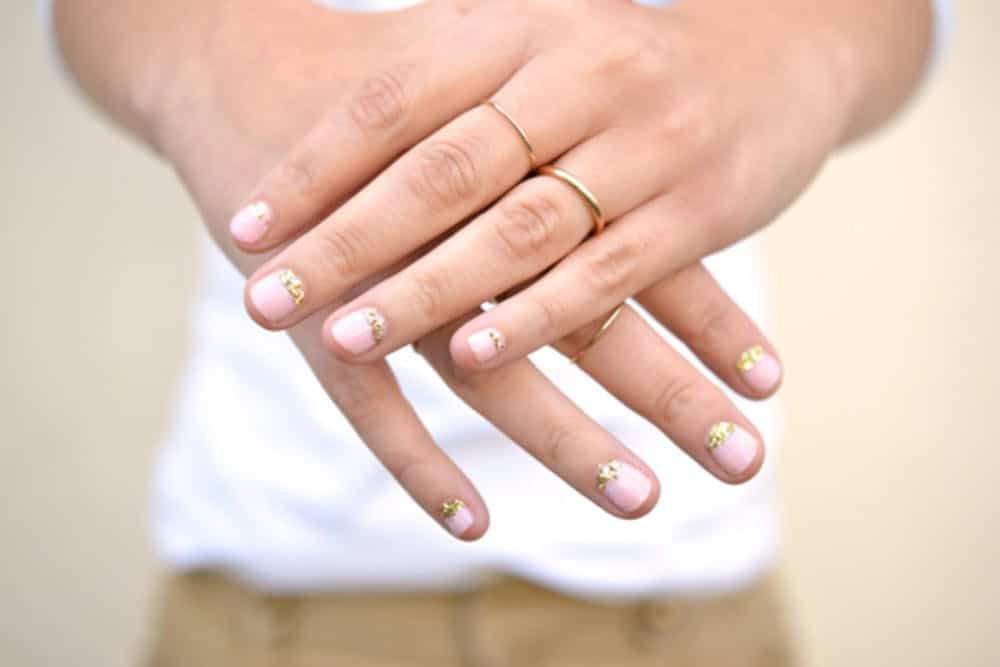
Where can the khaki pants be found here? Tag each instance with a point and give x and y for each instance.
(207, 620)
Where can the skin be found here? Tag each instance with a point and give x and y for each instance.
(298, 106)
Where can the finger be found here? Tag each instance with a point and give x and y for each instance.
(441, 182)
(390, 111)
(693, 306)
(639, 367)
(524, 405)
(520, 237)
(372, 402)
(629, 256)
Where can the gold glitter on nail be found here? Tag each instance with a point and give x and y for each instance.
(293, 285)
(259, 210)
(451, 508)
(719, 433)
(377, 324)
(750, 358)
(607, 472)
(498, 342)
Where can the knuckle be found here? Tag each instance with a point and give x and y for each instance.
(410, 471)
(528, 224)
(447, 172)
(357, 398)
(556, 448)
(676, 398)
(610, 271)
(381, 103)
(341, 250)
(709, 326)
(549, 314)
(628, 53)
(297, 175)
(428, 294)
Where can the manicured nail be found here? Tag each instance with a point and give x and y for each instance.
(624, 485)
(760, 370)
(250, 223)
(733, 448)
(276, 296)
(457, 516)
(487, 344)
(360, 331)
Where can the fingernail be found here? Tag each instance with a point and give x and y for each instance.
(733, 448)
(487, 344)
(623, 485)
(457, 516)
(276, 296)
(360, 331)
(250, 223)
(760, 370)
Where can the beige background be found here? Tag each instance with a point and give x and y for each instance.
(885, 282)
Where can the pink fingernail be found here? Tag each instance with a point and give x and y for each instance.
(277, 295)
(360, 331)
(733, 448)
(623, 485)
(487, 344)
(457, 517)
(250, 223)
(760, 370)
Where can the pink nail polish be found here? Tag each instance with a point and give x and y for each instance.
(457, 517)
(487, 344)
(733, 448)
(277, 295)
(760, 370)
(360, 331)
(250, 223)
(624, 485)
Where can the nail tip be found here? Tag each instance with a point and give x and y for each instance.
(732, 447)
(272, 298)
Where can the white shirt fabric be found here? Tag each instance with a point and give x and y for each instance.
(262, 477)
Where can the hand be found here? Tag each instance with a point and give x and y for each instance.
(217, 123)
(694, 126)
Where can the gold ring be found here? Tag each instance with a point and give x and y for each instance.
(612, 318)
(592, 203)
(517, 127)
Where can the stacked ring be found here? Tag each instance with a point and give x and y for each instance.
(596, 212)
(517, 128)
(589, 198)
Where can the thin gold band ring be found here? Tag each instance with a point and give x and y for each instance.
(612, 318)
(517, 128)
(596, 212)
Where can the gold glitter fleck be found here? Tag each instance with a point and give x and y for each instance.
(719, 433)
(293, 285)
(607, 472)
(750, 358)
(451, 508)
